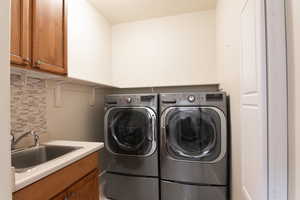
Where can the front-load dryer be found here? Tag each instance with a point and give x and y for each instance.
(193, 146)
(131, 140)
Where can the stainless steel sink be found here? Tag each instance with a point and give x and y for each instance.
(28, 158)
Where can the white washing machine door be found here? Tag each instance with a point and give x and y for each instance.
(131, 131)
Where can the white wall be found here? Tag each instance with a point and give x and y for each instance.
(89, 43)
(167, 51)
(293, 33)
(228, 63)
(76, 119)
(5, 180)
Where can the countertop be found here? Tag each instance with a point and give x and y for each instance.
(36, 173)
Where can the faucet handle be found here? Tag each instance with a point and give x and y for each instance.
(12, 134)
(36, 138)
(12, 140)
(12, 137)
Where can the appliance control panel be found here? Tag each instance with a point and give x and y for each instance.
(149, 100)
(218, 99)
(200, 98)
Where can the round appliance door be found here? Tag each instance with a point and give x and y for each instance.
(130, 131)
(195, 133)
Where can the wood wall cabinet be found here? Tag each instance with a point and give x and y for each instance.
(21, 32)
(78, 181)
(50, 35)
(39, 35)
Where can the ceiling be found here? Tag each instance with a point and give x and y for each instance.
(120, 11)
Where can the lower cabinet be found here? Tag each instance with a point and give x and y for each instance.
(62, 196)
(85, 189)
(78, 181)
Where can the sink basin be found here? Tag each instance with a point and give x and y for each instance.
(28, 158)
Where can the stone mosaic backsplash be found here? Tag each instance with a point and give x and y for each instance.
(28, 105)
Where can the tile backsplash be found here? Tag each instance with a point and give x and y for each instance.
(28, 105)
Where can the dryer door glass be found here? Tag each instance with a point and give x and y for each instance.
(130, 131)
(193, 133)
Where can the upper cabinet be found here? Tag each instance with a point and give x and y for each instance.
(64, 37)
(50, 35)
(39, 35)
(21, 32)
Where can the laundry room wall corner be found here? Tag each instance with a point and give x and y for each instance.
(293, 36)
(5, 182)
(228, 64)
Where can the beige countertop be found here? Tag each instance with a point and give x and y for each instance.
(36, 173)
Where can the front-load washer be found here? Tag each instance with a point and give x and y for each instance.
(193, 146)
(131, 140)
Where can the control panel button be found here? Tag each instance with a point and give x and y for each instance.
(191, 98)
(129, 100)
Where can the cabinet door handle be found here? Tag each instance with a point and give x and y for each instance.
(27, 61)
(37, 63)
(66, 198)
(72, 194)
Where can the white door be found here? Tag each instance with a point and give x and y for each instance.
(254, 131)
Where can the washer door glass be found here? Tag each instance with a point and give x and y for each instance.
(130, 131)
(193, 133)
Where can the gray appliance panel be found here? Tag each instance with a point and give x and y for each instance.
(142, 100)
(118, 187)
(177, 191)
(200, 99)
(143, 166)
(133, 164)
(194, 172)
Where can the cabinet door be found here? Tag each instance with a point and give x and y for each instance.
(86, 189)
(62, 196)
(21, 32)
(50, 35)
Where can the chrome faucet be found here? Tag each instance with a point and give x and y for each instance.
(15, 141)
